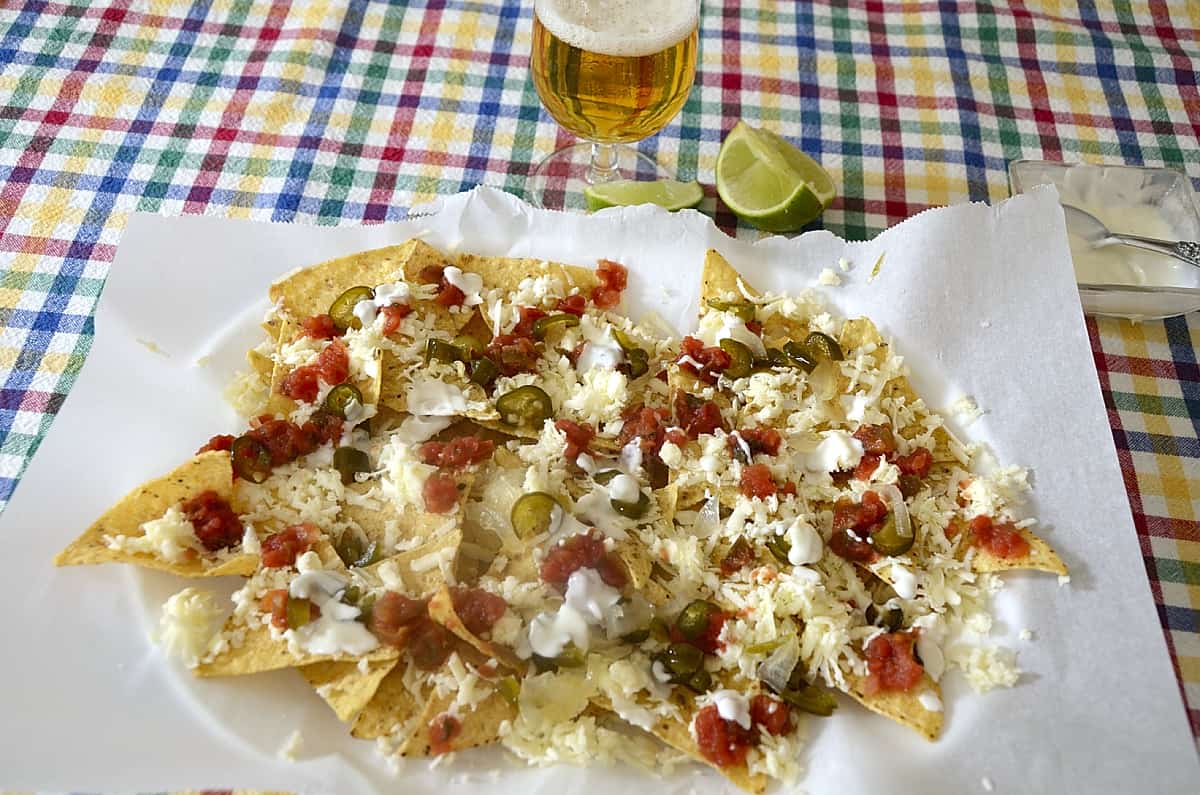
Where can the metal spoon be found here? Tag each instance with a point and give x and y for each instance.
(1094, 232)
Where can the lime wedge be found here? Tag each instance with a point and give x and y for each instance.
(768, 182)
(665, 193)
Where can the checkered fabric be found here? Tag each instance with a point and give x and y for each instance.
(348, 111)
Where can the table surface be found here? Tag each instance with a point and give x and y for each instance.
(349, 112)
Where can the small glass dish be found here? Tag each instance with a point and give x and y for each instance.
(1116, 280)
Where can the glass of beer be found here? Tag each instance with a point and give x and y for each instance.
(612, 72)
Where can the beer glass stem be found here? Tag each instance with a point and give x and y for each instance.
(603, 167)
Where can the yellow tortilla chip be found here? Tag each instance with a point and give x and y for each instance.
(719, 281)
(441, 610)
(392, 710)
(676, 733)
(261, 364)
(345, 686)
(904, 708)
(481, 726)
(209, 471)
(507, 273)
(258, 651)
(426, 581)
(279, 404)
(1041, 557)
(310, 291)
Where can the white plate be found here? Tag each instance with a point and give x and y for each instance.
(980, 295)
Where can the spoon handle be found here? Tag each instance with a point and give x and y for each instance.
(1184, 250)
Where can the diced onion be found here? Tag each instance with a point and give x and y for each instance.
(708, 520)
(824, 380)
(895, 501)
(776, 670)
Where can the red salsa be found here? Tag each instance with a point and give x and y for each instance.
(853, 525)
(479, 610)
(282, 548)
(214, 522)
(332, 366)
(757, 481)
(392, 315)
(1002, 540)
(763, 440)
(320, 327)
(695, 415)
(740, 555)
(572, 305)
(579, 551)
(771, 714)
(222, 441)
(579, 436)
(892, 663)
(722, 742)
(442, 731)
(440, 492)
(704, 363)
(614, 278)
(456, 454)
(393, 616)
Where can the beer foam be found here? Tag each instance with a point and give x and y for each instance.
(619, 27)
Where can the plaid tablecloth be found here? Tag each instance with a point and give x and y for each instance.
(345, 111)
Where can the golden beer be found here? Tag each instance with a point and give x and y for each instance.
(596, 77)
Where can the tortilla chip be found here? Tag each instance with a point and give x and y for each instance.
(481, 726)
(418, 583)
(1041, 557)
(441, 610)
(345, 686)
(904, 708)
(310, 291)
(507, 273)
(412, 525)
(392, 710)
(719, 280)
(261, 364)
(209, 471)
(676, 733)
(259, 652)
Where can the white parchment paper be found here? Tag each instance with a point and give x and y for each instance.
(980, 300)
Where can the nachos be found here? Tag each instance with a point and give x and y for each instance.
(476, 504)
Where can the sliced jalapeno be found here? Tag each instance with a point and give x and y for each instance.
(637, 361)
(469, 347)
(890, 618)
(605, 476)
(570, 657)
(440, 351)
(700, 681)
(744, 310)
(797, 356)
(659, 630)
(340, 397)
(510, 689)
(693, 621)
(349, 548)
(299, 612)
(681, 659)
(528, 406)
(779, 547)
(544, 325)
(251, 459)
(349, 461)
(810, 699)
(823, 346)
(632, 510)
(637, 637)
(656, 471)
(533, 514)
(342, 308)
(624, 340)
(484, 372)
(741, 358)
(765, 648)
(889, 542)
